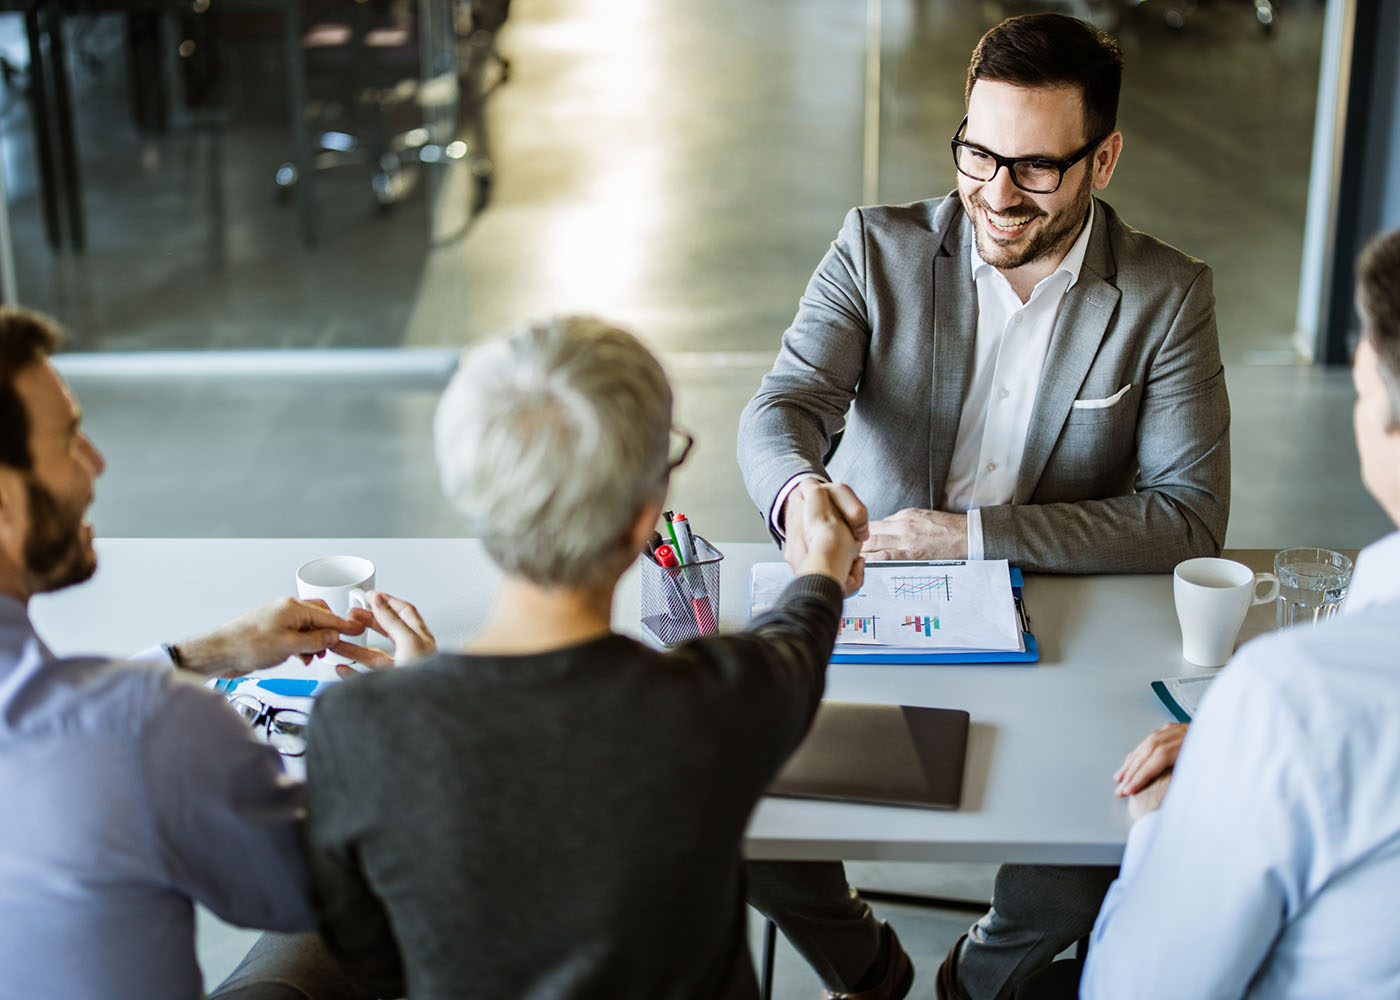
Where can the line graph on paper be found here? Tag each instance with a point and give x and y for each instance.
(921, 587)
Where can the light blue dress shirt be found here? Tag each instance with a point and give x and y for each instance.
(129, 792)
(1272, 868)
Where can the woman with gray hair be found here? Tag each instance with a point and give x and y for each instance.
(556, 811)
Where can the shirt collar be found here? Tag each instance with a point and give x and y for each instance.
(1376, 576)
(19, 643)
(12, 610)
(1072, 263)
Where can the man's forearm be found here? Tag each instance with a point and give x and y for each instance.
(1147, 532)
(778, 444)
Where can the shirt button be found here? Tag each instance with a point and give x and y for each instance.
(991, 467)
(1004, 393)
(1016, 318)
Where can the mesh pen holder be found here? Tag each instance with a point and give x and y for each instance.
(682, 603)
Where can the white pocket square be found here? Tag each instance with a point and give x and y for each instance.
(1099, 404)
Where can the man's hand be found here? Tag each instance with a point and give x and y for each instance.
(265, 637)
(918, 534)
(830, 522)
(392, 617)
(794, 548)
(1154, 756)
(1150, 798)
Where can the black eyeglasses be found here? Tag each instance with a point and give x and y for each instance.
(1034, 174)
(682, 442)
(284, 728)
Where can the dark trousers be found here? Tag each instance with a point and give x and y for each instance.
(1037, 911)
(821, 915)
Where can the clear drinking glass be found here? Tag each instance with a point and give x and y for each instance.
(1312, 584)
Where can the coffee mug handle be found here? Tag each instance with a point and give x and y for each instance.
(1272, 593)
(358, 599)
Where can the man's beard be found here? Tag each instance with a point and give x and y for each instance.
(1055, 238)
(57, 552)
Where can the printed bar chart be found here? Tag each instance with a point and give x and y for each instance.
(862, 626)
(924, 624)
(933, 607)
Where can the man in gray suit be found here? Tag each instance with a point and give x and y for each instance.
(1012, 373)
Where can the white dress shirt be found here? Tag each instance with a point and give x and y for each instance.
(1370, 581)
(1009, 354)
(1272, 867)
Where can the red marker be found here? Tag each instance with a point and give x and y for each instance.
(704, 615)
(704, 611)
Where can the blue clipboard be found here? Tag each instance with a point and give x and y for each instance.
(292, 687)
(1031, 654)
(1173, 706)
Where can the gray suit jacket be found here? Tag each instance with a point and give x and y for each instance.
(882, 345)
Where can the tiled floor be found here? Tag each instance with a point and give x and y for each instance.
(677, 167)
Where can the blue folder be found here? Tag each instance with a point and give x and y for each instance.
(294, 687)
(876, 654)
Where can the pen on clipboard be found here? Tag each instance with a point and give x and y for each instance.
(1023, 619)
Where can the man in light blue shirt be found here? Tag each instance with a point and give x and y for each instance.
(130, 791)
(1271, 867)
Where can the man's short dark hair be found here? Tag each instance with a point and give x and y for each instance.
(1046, 50)
(26, 338)
(1378, 296)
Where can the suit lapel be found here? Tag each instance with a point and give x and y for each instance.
(1074, 343)
(954, 332)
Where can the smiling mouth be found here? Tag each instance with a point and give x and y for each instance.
(1009, 224)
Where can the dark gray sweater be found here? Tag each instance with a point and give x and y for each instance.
(563, 825)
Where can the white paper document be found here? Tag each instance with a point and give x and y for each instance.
(924, 606)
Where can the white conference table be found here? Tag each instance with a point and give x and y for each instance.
(1044, 741)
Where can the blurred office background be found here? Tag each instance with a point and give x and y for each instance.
(261, 358)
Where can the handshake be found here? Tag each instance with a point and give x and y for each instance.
(826, 524)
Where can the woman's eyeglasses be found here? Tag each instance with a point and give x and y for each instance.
(283, 728)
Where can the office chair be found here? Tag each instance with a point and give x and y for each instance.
(363, 58)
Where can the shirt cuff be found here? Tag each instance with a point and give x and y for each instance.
(788, 487)
(1139, 840)
(974, 533)
(153, 654)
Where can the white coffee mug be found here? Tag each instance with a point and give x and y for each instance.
(1212, 598)
(340, 581)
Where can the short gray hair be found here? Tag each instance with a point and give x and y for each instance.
(549, 442)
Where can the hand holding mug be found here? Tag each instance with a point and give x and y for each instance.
(265, 637)
(398, 620)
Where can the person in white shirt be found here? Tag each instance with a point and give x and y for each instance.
(1014, 373)
(1265, 862)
